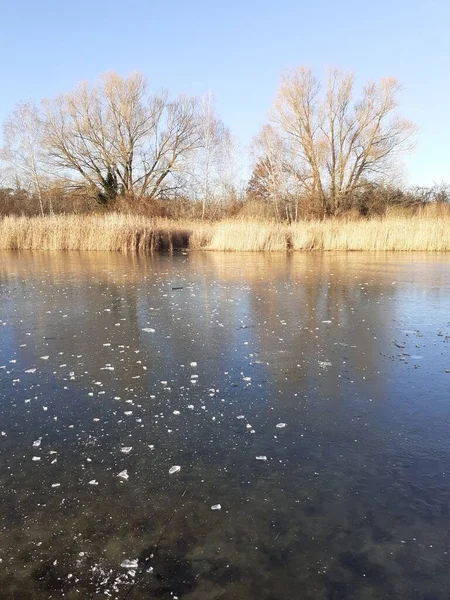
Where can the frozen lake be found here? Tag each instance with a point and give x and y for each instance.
(305, 400)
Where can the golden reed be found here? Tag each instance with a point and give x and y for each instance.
(427, 230)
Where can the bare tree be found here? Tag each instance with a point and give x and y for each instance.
(209, 168)
(334, 145)
(22, 136)
(271, 173)
(119, 139)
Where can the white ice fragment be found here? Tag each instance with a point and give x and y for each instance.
(216, 507)
(261, 458)
(44, 357)
(281, 425)
(148, 330)
(176, 412)
(130, 564)
(126, 449)
(37, 443)
(174, 469)
(240, 417)
(128, 413)
(93, 482)
(123, 474)
(30, 371)
(324, 363)
(36, 458)
(193, 364)
(191, 406)
(247, 378)
(55, 485)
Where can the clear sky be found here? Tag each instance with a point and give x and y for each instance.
(237, 49)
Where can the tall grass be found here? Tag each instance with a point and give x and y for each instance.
(427, 230)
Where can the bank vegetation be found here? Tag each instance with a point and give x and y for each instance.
(426, 230)
(115, 165)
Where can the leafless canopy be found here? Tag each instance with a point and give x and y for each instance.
(22, 150)
(332, 143)
(118, 138)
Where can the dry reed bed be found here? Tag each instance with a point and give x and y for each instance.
(115, 232)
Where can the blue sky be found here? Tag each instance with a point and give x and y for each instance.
(237, 49)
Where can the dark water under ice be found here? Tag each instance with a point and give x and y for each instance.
(106, 369)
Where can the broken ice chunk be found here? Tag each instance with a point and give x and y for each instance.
(261, 458)
(216, 507)
(174, 469)
(123, 474)
(281, 425)
(126, 449)
(326, 363)
(130, 564)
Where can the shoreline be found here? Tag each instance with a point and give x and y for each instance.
(127, 233)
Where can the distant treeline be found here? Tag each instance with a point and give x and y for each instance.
(373, 200)
(115, 146)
